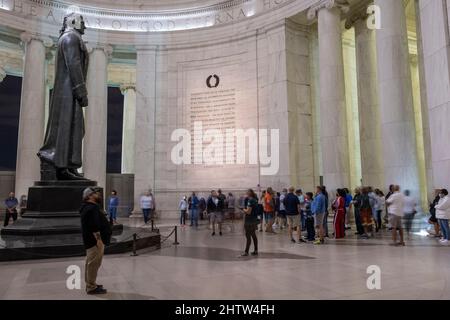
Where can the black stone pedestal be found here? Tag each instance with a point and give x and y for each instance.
(52, 208)
(51, 226)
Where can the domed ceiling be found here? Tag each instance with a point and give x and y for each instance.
(149, 5)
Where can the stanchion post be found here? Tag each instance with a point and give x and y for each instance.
(134, 254)
(176, 236)
(152, 225)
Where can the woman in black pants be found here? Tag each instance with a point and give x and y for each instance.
(251, 222)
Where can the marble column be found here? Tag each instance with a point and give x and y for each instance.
(396, 99)
(144, 152)
(128, 132)
(32, 111)
(96, 115)
(368, 105)
(425, 124)
(334, 139)
(435, 47)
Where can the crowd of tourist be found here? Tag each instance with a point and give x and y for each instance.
(306, 215)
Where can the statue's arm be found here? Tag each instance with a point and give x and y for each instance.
(71, 49)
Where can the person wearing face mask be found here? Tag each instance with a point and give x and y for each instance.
(443, 215)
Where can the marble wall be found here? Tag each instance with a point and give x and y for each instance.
(268, 95)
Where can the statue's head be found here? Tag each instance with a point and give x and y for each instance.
(74, 21)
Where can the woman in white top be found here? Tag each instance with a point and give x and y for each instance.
(183, 209)
(443, 215)
(146, 206)
(380, 206)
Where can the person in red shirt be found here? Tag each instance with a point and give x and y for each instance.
(339, 217)
(269, 209)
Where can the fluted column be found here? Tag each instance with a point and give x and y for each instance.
(396, 99)
(144, 153)
(368, 104)
(32, 111)
(434, 47)
(94, 147)
(128, 132)
(334, 139)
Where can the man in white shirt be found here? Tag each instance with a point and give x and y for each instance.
(396, 204)
(147, 205)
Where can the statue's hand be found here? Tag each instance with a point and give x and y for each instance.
(84, 101)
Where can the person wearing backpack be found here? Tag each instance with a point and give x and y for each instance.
(310, 228)
(251, 222)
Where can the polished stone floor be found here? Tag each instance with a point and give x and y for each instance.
(205, 267)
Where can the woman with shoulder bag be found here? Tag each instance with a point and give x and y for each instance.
(251, 222)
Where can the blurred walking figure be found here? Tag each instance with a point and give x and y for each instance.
(146, 205)
(348, 207)
(193, 205)
(301, 198)
(310, 228)
(261, 210)
(410, 211)
(388, 195)
(327, 203)
(23, 204)
(183, 209)
(215, 210)
(281, 217)
(365, 212)
(396, 204)
(251, 222)
(269, 209)
(433, 220)
(231, 201)
(113, 204)
(443, 215)
(357, 211)
(380, 208)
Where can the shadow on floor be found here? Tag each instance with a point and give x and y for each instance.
(124, 296)
(223, 254)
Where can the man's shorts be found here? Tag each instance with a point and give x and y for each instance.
(318, 219)
(293, 221)
(216, 217)
(395, 221)
(268, 216)
(282, 214)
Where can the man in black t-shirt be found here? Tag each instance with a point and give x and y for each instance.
(96, 232)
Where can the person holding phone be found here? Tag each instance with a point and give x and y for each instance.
(251, 222)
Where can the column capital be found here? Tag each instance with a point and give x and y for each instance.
(127, 86)
(358, 13)
(327, 4)
(106, 48)
(26, 37)
(2, 74)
